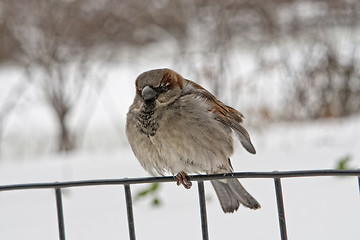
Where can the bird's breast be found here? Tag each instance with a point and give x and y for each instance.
(148, 123)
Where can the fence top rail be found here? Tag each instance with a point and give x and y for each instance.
(129, 181)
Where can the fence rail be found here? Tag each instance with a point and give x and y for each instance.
(127, 182)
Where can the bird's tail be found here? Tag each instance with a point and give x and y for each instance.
(231, 194)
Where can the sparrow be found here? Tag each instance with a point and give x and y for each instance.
(176, 126)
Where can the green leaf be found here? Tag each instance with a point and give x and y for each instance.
(156, 202)
(343, 163)
(152, 189)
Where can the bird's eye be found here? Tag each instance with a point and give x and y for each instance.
(162, 88)
(165, 88)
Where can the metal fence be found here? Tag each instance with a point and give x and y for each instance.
(127, 182)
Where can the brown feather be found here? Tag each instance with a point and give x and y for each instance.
(218, 106)
(227, 115)
(172, 79)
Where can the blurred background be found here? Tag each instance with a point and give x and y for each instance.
(68, 68)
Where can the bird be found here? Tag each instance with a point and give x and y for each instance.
(175, 126)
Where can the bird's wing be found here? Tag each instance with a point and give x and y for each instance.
(226, 114)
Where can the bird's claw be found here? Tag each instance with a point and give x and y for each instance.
(182, 178)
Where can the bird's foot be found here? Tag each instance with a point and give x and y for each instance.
(182, 178)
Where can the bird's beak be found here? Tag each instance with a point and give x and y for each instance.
(148, 93)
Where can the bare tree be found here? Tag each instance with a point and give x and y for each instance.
(8, 104)
(57, 65)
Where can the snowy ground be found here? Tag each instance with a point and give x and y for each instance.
(316, 208)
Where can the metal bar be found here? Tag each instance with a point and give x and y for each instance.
(130, 212)
(280, 206)
(202, 201)
(60, 215)
(124, 181)
(359, 183)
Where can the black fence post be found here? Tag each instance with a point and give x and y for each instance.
(60, 214)
(202, 201)
(280, 206)
(130, 212)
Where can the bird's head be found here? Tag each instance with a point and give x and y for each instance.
(159, 87)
